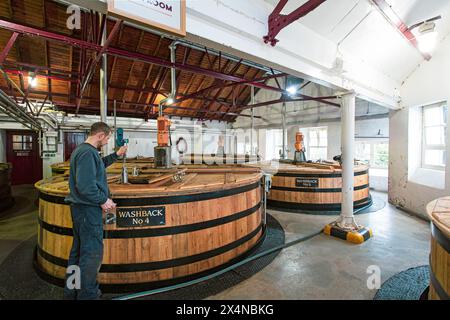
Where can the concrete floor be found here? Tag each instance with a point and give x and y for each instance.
(20, 222)
(329, 268)
(320, 268)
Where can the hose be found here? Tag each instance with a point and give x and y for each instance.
(215, 274)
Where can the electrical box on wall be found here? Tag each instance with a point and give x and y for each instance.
(50, 143)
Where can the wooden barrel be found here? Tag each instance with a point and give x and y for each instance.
(60, 168)
(203, 223)
(439, 213)
(6, 198)
(64, 167)
(314, 188)
(216, 159)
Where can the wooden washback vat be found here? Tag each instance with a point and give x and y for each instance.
(211, 218)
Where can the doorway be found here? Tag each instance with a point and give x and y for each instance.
(71, 141)
(22, 152)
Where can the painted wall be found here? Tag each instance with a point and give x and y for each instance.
(2, 145)
(363, 129)
(142, 137)
(429, 83)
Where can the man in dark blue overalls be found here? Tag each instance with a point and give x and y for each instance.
(88, 198)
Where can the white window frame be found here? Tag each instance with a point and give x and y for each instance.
(308, 140)
(277, 143)
(372, 143)
(424, 147)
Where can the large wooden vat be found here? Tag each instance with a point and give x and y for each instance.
(6, 199)
(314, 187)
(211, 219)
(217, 159)
(64, 167)
(439, 213)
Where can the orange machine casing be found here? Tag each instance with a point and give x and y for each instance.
(299, 141)
(163, 125)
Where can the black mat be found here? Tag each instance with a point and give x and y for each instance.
(376, 205)
(18, 279)
(406, 285)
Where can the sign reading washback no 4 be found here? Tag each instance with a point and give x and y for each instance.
(166, 15)
(140, 217)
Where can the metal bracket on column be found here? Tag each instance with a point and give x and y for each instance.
(278, 21)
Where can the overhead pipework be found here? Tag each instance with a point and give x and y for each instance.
(163, 157)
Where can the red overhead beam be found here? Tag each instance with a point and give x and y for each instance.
(21, 29)
(34, 67)
(126, 54)
(70, 107)
(21, 72)
(278, 21)
(303, 98)
(219, 86)
(90, 72)
(392, 17)
(8, 47)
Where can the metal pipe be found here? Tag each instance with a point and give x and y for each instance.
(11, 108)
(224, 55)
(104, 88)
(173, 80)
(252, 89)
(115, 125)
(51, 125)
(283, 114)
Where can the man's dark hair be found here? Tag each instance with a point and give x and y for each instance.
(99, 127)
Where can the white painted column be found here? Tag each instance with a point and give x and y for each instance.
(283, 115)
(252, 119)
(104, 90)
(347, 147)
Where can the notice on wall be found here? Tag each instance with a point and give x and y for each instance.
(166, 15)
(140, 217)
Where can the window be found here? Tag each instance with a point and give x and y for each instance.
(274, 143)
(316, 143)
(22, 142)
(375, 153)
(434, 132)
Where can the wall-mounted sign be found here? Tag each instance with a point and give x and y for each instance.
(301, 182)
(140, 217)
(48, 155)
(22, 154)
(166, 15)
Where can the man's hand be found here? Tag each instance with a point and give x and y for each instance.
(108, 205)
(122, 151)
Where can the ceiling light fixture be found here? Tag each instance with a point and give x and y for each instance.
(32, 81)
(292, 90)
(427, 37)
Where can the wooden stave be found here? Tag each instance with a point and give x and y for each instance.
(64, 167)
(219, 159)
(59, 271)
(439, 265)
(439, 212)
(308, 197)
